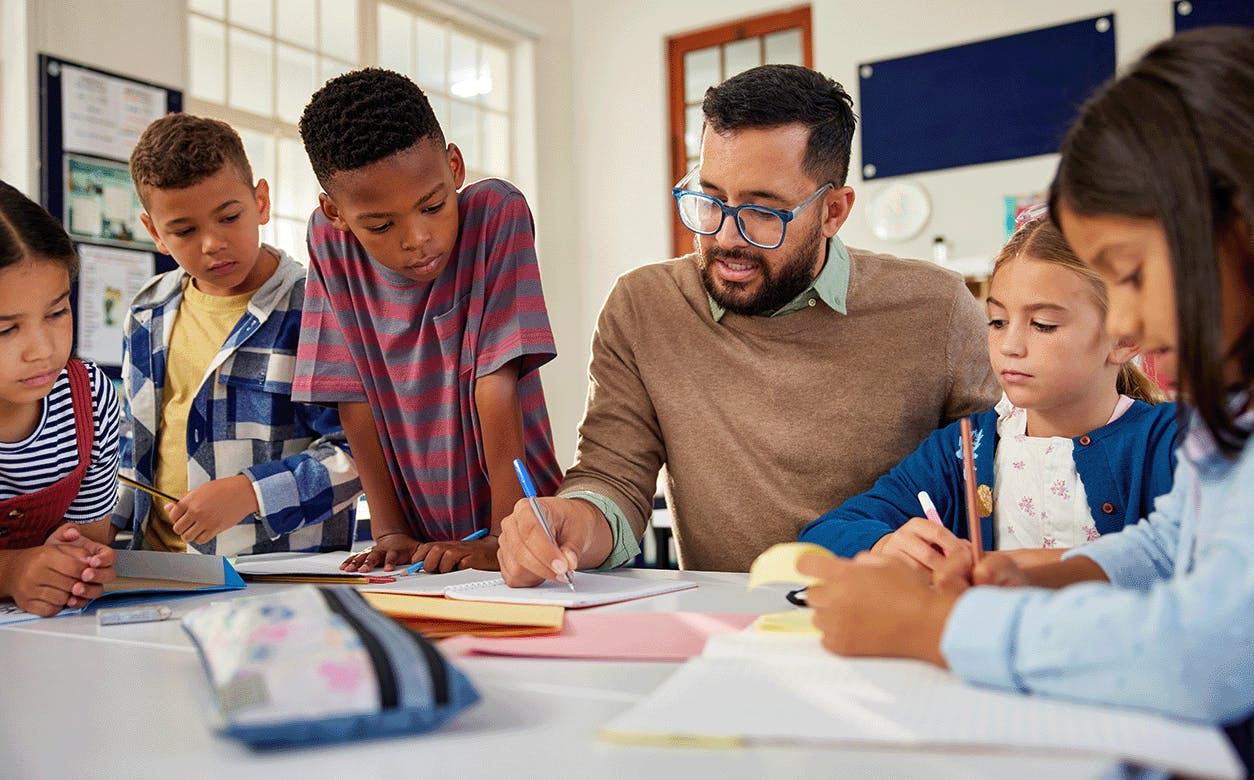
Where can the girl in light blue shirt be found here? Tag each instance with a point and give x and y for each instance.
(1155, 191)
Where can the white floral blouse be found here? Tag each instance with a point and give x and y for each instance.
(1038, 499)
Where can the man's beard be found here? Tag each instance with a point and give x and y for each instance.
(775, 287)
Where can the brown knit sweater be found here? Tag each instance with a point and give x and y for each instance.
(765, 423)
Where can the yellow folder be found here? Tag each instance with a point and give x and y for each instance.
(436, 616)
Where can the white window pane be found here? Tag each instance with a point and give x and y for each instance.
(267, 234)
(463, 130)
(260, 149)
(430, 44)
(463, 66)
(396, 46)
(693, 119)
(251, 73)
(439, 104)
(784, 48)
(297, 22)
(297, 81)
(207, 41)
(339, 29)
(740, 56)
(291, 238)
(497, 77)
(700, 73)
(496, 144)
(296, 185)
(211, 7)
(333, 68)
(252, 13)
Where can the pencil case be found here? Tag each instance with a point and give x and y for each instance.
(317, 665)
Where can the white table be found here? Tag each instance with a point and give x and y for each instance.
(82, 700)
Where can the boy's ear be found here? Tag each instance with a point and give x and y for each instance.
(332, 212)
(457, 165)
(262, 192)
(152, 231)
(1125, 349)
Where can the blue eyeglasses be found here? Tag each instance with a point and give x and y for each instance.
(761, 226)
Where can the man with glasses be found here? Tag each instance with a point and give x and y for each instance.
(774, 372)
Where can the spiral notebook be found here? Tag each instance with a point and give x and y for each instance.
(590, 590)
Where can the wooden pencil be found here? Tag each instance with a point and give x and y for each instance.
(149, 490)
(968, 472)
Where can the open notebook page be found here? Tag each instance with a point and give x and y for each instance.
(734, 695)
(590, 590)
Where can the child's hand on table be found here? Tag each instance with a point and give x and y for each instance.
(441, 557)
(210, 509)
(67, 570)
(389, 551)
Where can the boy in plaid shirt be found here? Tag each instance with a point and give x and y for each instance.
(207, 367)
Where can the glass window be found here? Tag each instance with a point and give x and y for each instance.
(207, 52)
(253, 15)
(255, 64)
(251, 85)
(468, 77)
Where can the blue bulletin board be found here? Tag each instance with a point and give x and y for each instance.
(1189, 14)
(89, 120)
(992, 100)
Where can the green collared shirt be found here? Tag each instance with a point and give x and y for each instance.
(831, 286)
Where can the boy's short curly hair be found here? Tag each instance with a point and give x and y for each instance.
(362, 117)
(179, 150)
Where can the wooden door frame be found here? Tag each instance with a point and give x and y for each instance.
(678, 45)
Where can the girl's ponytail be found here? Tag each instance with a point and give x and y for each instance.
(1135, 383)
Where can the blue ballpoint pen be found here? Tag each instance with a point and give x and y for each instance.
(417, 567)
(529, 488)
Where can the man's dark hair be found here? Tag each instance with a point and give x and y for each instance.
(28, 232)
(775, 95)
(362, 117)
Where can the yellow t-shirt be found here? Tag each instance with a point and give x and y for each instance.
(201, 326)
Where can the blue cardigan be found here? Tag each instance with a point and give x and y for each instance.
(1124, 466)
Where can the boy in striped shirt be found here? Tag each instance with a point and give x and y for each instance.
(424, 322)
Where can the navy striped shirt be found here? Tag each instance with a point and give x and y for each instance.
(51, 451)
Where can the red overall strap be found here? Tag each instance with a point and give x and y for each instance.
(28, 519)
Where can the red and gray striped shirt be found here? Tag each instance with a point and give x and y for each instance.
(414, 349)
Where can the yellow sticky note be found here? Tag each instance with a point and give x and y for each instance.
(779, 564)
(794, 621)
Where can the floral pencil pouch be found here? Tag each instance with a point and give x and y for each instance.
(310, 665)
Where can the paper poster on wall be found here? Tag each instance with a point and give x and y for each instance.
(101, 203)
(103, 115)
(108, 280)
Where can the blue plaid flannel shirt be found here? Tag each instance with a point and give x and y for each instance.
(243, 420)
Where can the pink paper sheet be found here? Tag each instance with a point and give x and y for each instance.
(612, 636)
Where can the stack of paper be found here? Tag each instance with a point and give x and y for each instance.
(781, 688)
(613, 636)
(305, 567)
(436, 617)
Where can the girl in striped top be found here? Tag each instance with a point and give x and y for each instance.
(58, 424)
